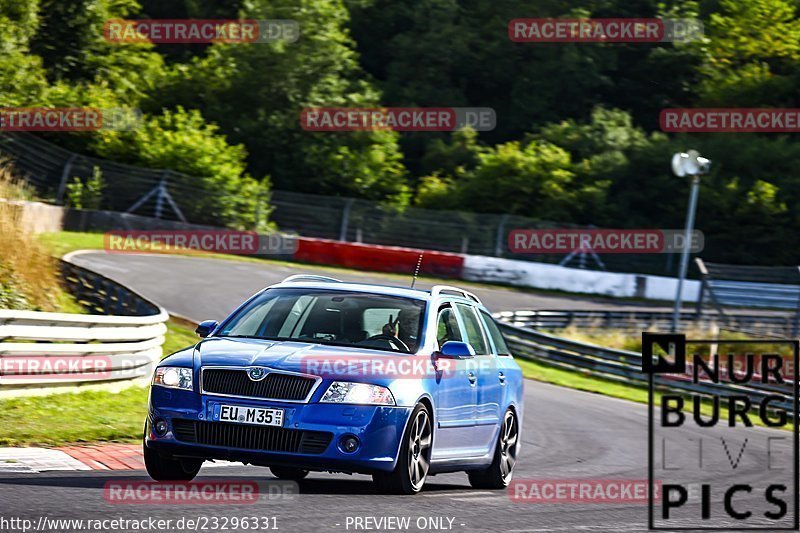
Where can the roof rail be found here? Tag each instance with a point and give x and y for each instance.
(310, 277)
(436, 290)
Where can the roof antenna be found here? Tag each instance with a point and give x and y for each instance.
(416, 270)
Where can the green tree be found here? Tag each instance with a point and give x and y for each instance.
(213, 185)
(74, 49)
(533, 180)
(257, 92)
(86, 194)
(751, 54)
(22, 77)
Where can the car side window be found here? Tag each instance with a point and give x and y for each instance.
(496, 335)
(447, 327)
(473, 329)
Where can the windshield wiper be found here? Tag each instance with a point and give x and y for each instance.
(252, 337)
(349, 345)
(315, 341)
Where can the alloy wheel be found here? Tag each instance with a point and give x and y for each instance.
(419, 449)
(509, 434)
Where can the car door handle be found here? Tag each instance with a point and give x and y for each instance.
(472, 378)
(501, 377)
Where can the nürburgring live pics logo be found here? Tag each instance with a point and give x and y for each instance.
(713, 440)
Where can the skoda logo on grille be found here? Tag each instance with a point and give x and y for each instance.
(255, 373)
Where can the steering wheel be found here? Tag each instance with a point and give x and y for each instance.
(389, 338)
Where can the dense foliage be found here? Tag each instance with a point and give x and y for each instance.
(577, 135)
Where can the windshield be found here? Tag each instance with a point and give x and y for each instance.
(341, 318)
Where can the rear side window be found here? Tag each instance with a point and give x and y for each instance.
(447, 327)
(472, 329)
(495, 333)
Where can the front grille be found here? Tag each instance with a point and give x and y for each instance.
(276, 386)
(269, 439)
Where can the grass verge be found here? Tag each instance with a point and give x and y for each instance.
(87, 416)
(28, 275)
(575, 380)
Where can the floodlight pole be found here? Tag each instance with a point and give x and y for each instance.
(687, 245)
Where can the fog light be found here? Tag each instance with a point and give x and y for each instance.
(348, 443)
(160, 427)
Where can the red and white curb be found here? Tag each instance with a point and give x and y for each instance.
(34, 460)
(81, 457)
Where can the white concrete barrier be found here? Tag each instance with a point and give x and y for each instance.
(555, 277)
(42, 353)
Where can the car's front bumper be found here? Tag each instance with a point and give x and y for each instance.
(379, 430)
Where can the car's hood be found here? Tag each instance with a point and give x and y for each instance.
(279, 355)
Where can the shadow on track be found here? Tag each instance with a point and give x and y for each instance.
(98, 480)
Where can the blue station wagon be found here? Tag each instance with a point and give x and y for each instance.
(315, 374)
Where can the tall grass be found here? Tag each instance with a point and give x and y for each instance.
(28, 275)
(632, 340)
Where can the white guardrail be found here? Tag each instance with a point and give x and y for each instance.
(59, 352)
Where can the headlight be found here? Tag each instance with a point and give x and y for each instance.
(173, 377)
(358, 393)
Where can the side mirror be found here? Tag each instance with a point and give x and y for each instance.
(205, 328)
(456, 350)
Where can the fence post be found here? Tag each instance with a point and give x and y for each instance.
(62, 186)
(160, 194)
(345, 219)
(257, 214)
(796, 324)
(498, 243)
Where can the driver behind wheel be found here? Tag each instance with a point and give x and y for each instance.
(405, 327)
(408, 326)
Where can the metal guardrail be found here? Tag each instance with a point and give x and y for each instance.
(49, 352)
(643, 320)
(617, 365)
(726, 286)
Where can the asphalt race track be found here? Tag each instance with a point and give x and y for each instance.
(202, 289)
(566, 435)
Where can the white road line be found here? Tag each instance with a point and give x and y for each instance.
(483, 499)
(456, 493)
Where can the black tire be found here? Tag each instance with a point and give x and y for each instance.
(162, 468)
(499, 473)
(415, 453)
(287, 472)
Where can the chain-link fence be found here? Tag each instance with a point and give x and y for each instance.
(354, 220)
(158, 193)
(164, 194)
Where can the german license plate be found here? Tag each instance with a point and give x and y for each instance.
(259, 416)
